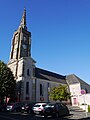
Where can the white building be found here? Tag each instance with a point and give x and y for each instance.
(76, 85)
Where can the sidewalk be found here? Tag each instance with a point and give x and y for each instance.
(77, 113)
(88, 114)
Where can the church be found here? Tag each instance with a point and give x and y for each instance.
(34, 84)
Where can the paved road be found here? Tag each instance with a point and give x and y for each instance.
(75, 114)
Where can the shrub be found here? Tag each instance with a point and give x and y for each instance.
(88, 108)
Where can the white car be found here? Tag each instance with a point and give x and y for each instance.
(38, 108)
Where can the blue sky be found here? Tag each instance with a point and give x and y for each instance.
(60, 33)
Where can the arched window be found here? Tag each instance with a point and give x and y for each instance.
(28, 72)
(41, 90)
(27, 88)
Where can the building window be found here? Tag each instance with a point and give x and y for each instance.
(27, 88)
(86, 90)
(73, 91)
(48, 86)
(28, 72)
(41, 90)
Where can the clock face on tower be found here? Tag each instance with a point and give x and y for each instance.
(25, 39)
(24, 46)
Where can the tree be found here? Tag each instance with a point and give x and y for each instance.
(59, 93)
(7, 82)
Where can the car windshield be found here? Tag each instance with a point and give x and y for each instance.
(25, 104)
(43, 105)
(37, 105)
(50, 105)
(11, 104)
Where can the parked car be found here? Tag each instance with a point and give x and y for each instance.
(3, 107)
(27, 107)
(14, 107)
(38, 108)
(55, 110)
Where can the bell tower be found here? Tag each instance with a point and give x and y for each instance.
(21, 41)
(21, 63)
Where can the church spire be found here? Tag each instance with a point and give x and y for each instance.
(23, 20)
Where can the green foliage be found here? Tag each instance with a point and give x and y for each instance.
(7, 82)
(88, 108)
(59, 93)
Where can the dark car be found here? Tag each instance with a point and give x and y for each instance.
(27, 107)
(14, 107)
(3, 107)
(55, 110)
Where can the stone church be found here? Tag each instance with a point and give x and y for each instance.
(33, 84)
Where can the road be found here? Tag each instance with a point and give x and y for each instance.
(75, 114)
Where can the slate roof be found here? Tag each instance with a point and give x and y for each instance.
(73, 79)
(51, 76)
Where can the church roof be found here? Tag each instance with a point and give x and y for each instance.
(51, 76)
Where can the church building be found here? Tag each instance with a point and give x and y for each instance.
(33, 84)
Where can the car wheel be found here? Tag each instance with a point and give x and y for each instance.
(29, 111)
(2, 110)
(57, 115)
(45, 116)
(67, 113)
(15, 110)
(22, 111)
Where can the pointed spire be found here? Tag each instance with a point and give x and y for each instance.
(23, 20)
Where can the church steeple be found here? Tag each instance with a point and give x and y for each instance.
(21, 41)
(23, 20)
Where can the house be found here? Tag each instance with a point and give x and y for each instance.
(76, 85)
